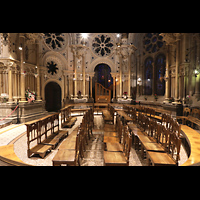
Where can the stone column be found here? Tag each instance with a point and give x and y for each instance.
(129, 74)
(177, 70)
(83, 72)
(75, 76)
(90, 86)
(131, 50)
(15, 84)
(181, 86)
(65, 74)
(137, 76)
(167, 89)
(38, 74)
(91, 100)
(23, 98)
(120, 76)
(197, 83)
(114, 87)
(74, 48)
(10, 84)
(18, 85)
(185, 80)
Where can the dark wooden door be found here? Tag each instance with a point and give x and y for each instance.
(53, 97)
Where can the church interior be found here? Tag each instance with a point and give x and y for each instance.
(99, 99)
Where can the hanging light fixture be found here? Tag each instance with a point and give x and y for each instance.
(84, 37)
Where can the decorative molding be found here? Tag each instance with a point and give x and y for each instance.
(32, 38)
(171, 38)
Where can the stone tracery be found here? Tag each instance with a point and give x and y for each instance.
(55, 41)
(102, 45)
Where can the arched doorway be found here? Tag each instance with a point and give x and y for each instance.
(103, 76)
(53, 97)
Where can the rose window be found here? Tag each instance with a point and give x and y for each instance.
(55, 41)
(153, 42)
(52, 67)
(102, 45)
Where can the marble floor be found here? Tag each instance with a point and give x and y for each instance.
(93, 155)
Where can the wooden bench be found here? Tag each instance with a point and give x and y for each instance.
(69, 142)
(112, 139)
(119, 158)
(81, 111)
(109, 127)
(190, 116)
(67, 121)
(108, 115)
(149, 111)
(69, 155)
(167, 138)
(157, 140)
(56, 135)
(71, 149)
(44, 134)
(124, 115)
(169, 158)
(34, 135)
(193, 139)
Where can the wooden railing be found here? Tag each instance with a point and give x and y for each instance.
(102, 94)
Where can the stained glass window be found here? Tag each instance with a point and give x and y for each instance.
(152, 42)
(102, 45)
(160, 74)
(148, 76)
(52, 67)
(55, 41)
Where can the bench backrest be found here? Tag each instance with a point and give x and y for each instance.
(56, 123)
(176, 128)
(40, 129)
(65, 114)
(133, 113)
(163, 136)
(152, 129)
(195, 113)
(32, 133)
(186, 111)
(174, 147)
(127, 143)
(120, 130)
(43, 128)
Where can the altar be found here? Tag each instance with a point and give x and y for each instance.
(25, 112)
(124, 101)
(82, 100)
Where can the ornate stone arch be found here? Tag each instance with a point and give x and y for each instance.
(56, 81)
(100, 61)
(61, 89)
(58, 60)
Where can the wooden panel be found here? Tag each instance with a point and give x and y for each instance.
(102, 94)
(8, 155)
(193, 138)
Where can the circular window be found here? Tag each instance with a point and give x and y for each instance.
(52, 67)
(152, 42)
(55, 41)
(102, 45)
